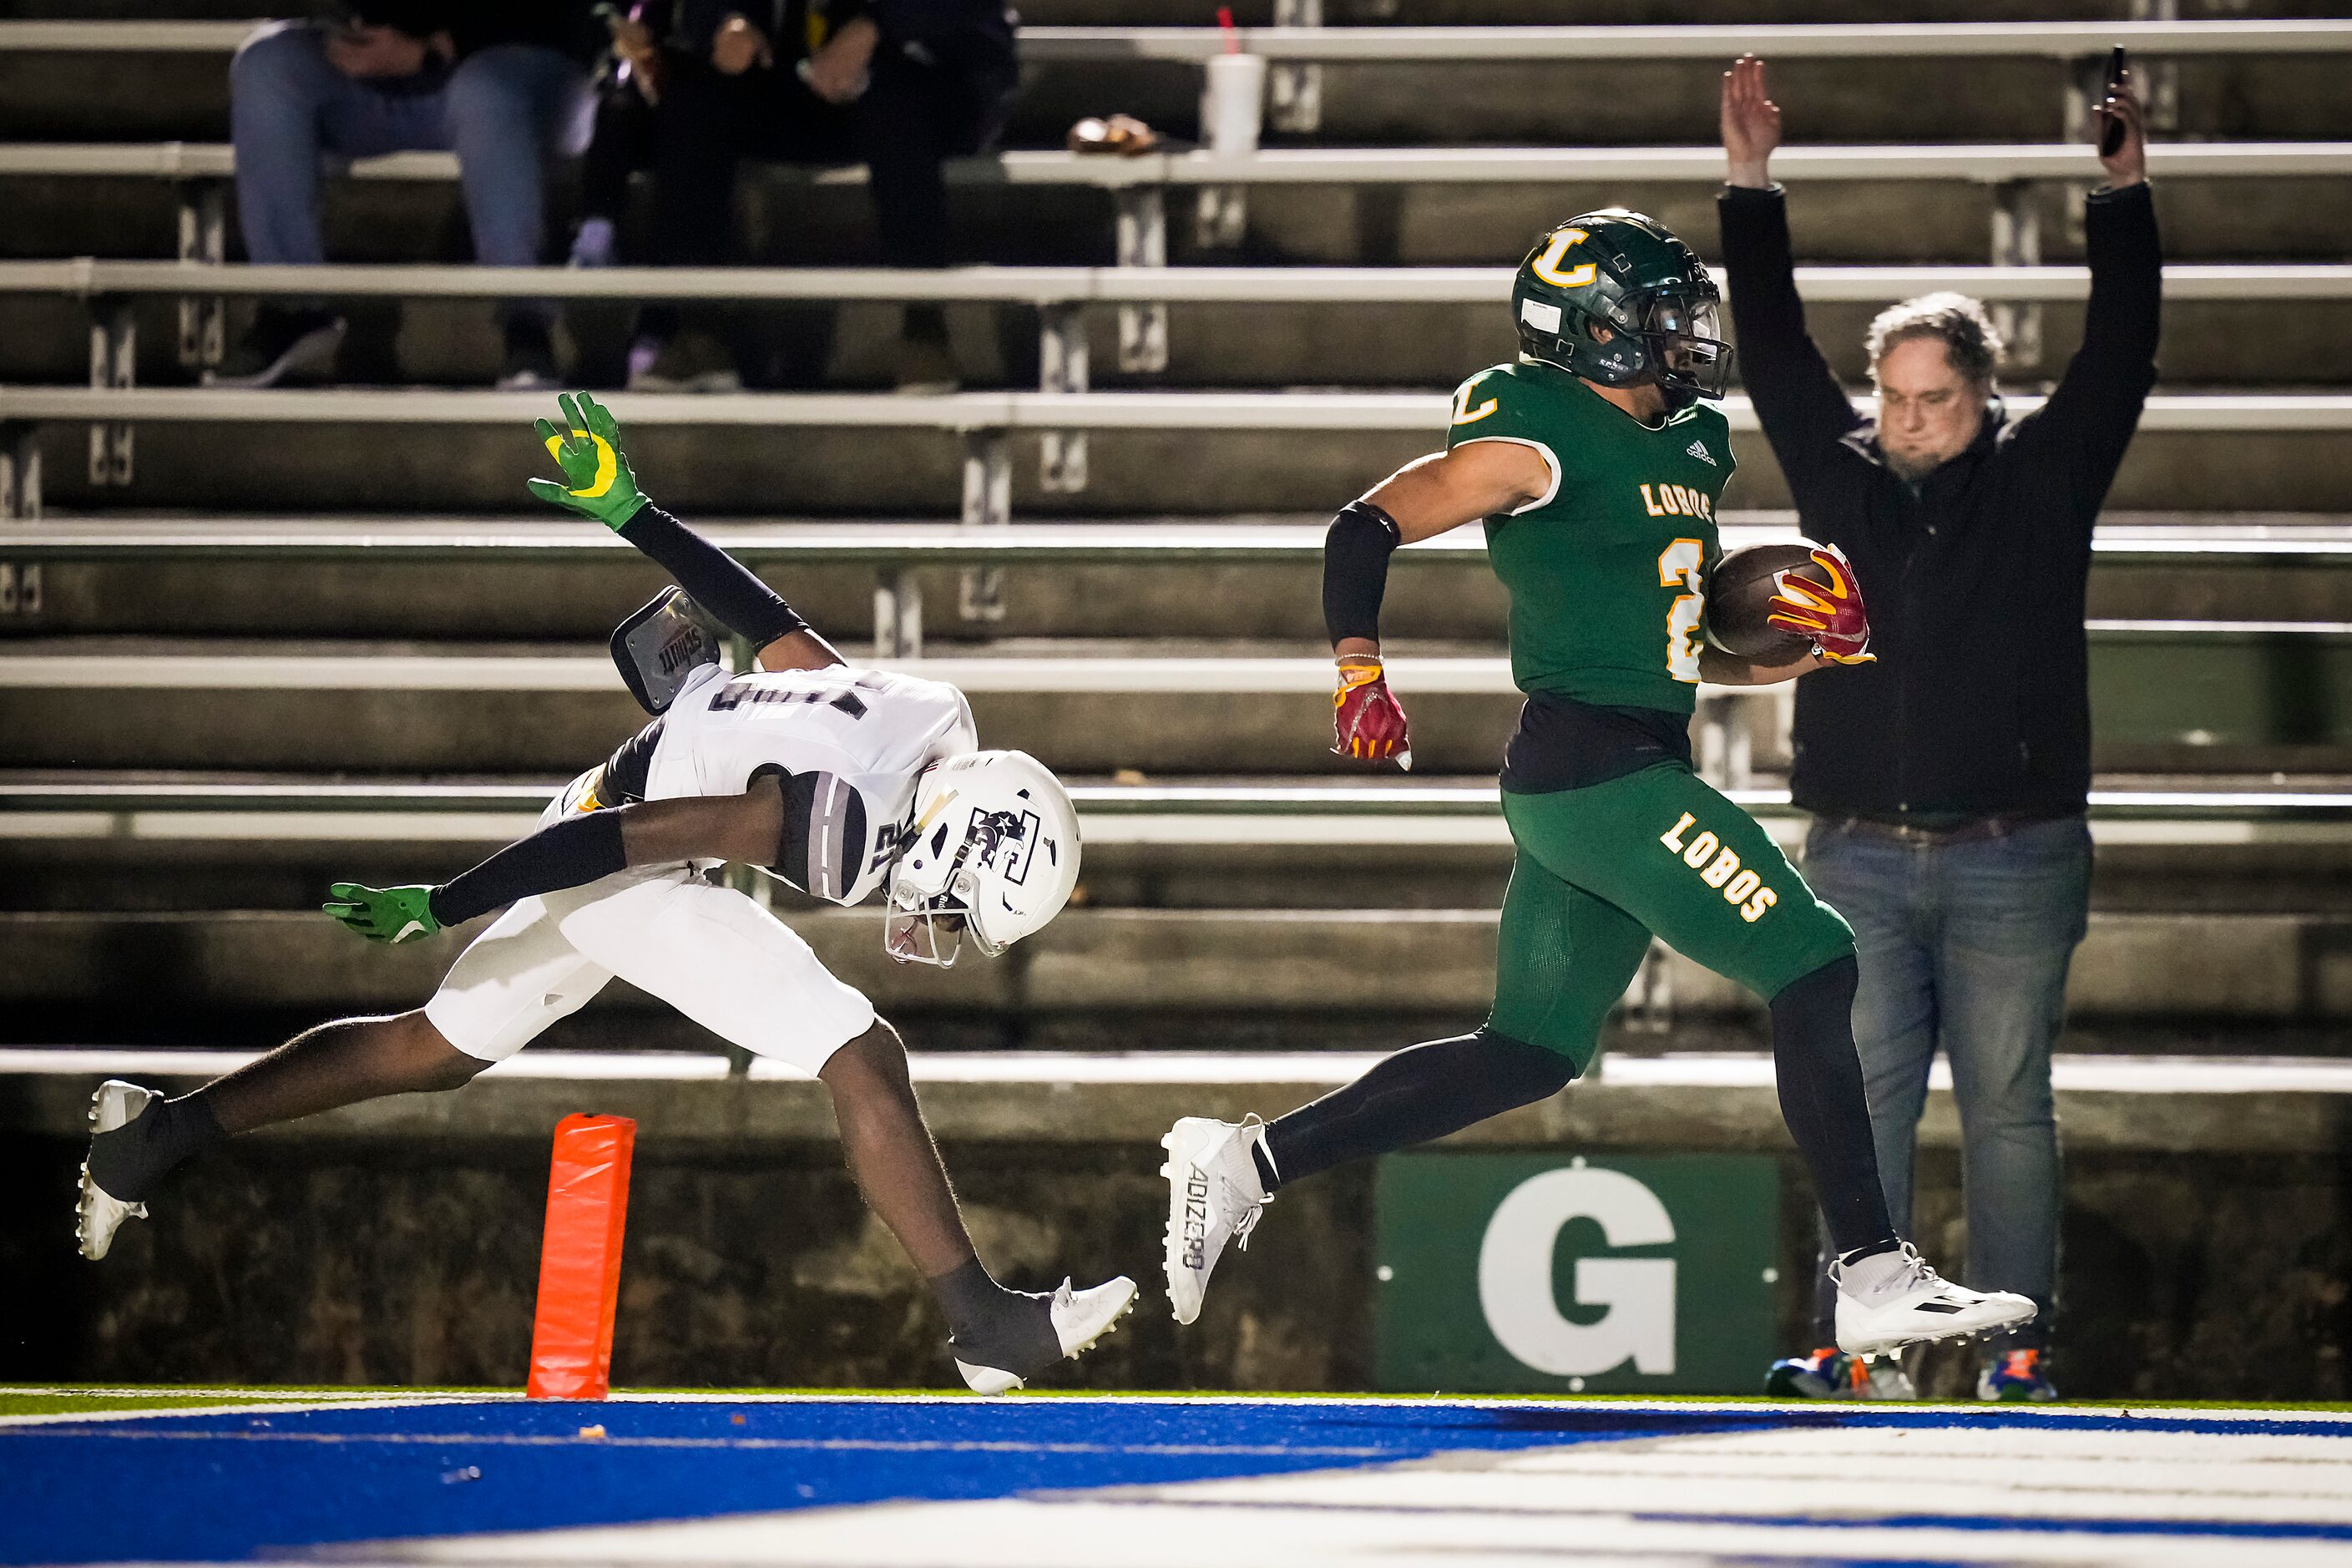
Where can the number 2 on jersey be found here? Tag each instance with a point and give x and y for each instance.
(1680, 562)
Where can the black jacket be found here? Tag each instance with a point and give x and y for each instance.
(1978, 703)
(964, 37)
(568, 25)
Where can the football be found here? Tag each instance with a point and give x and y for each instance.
(1740, 595)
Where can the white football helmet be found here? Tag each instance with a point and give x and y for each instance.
(991, 850)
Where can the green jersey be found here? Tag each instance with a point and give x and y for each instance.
(1607, 570)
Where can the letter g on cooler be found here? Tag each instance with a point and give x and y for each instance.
(1514, 1276)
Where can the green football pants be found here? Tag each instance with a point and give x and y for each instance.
(1602, 868)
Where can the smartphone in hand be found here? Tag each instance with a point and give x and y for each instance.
(2111, 126)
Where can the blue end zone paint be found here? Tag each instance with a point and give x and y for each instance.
(218, 1487)
(231, 1485)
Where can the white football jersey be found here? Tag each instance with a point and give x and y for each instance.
(849, 743)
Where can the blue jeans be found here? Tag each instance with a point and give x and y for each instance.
(1964, 948)
(505, 111)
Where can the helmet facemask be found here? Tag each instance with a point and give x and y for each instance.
(988, 851)
(1687, 355)
(929, 914)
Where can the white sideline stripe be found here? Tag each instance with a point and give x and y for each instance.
(2072, 1073)
(1980, 1489)
(1986, 164)
(2048, 40)
(1362, 412)
(84, 276)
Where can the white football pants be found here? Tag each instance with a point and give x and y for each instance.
(712, 952)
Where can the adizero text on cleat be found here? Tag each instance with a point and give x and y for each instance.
(1079, 1319)
(98, 1213)
(1215, 1197)
(1919, 1305)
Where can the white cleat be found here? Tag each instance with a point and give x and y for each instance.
(1215, 1197)
(1079, 1317)
(98, 1214)
(1923, 1306)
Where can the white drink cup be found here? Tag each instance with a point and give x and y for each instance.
(1232, 92)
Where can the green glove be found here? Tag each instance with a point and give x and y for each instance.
(596, 478)
(383, 914)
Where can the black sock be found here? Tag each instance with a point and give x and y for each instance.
(988, 1325)
(1823, 1100)
(1267, 1176)
(127, 1162)
(1413, 1097)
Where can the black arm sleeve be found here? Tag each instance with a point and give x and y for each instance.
(566, 854)
(2088, 422)
(716, 579)
(1803, 410)
(1356, 569)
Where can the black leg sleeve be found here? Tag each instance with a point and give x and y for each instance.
(1413, 1097)
(1823, 1100)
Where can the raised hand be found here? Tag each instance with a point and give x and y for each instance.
(383, 914)
(1751, 124)
(2128, 166)
(597, 482)
(1831, 617)
(1366, 721)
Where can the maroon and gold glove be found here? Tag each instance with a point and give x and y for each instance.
(1832, 616)
(1368, 721)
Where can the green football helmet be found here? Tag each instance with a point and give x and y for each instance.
(1627, 273)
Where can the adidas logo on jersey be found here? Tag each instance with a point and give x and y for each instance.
(1698, 450)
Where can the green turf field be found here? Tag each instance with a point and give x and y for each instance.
(77, 1399)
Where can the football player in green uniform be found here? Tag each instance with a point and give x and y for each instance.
(1595, 462)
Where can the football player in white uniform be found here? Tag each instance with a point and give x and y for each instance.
(841, 781)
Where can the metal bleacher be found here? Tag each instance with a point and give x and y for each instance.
(982, 421)
(209, 710)
(1875, 40)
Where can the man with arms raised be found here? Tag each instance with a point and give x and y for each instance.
(1947, 781)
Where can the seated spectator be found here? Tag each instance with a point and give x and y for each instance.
(502, 83)
(628, 91)
(901, 85)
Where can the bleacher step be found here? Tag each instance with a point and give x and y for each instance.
(2270, 968)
